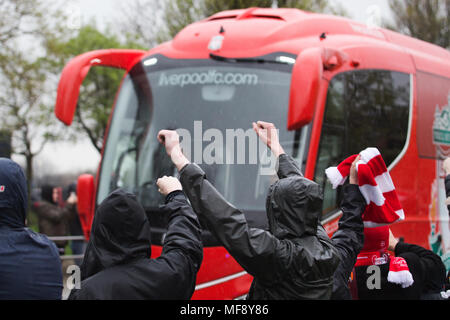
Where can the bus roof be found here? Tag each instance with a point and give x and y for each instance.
(258, 31)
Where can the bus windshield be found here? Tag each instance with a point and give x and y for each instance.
(212, 105)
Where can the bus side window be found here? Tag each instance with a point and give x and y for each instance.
(364, 108)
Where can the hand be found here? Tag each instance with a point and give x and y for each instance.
(171, 140)
(267, 132)
(72, 198)
(392, 241)
(353, 173)
(446, 166)
(168, 184)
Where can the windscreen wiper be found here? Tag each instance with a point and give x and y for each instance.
(279, 60)
(115, 180)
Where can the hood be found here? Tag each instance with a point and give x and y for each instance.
(13, 194)
(47, 193)
(294, 206)
(120, 233)
(71, 188)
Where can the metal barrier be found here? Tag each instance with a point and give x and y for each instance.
(68, 238)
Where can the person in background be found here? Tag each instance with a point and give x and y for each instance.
(30, 267)
(446, 167)
(295, 259)
(117, 263)
(52, 219)
(73, 221)
(426, 271)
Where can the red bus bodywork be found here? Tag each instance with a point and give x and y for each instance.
(325, 46)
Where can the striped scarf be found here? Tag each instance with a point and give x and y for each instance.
(375, 184)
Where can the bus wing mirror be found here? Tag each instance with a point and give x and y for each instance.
(306, 79)
(305, 82)
(85, 206)
(76, 70)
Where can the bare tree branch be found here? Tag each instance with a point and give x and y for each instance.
(91, 135)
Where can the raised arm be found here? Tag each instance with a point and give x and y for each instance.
(349, 238)
(183, 230)
(252, 248)
(268, 134)
(182, 246)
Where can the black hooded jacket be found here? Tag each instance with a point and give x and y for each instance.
(30, 267)
(427, 270)
(295, 259)
(117, 263)
(348, 239)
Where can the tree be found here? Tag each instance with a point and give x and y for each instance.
(13, 14)
(142, 22)
(426, 20)
(25, 99)
(100, 85)
(213, 6)
(25, 109)
(5, 143)
(157, 20)
(180, 13)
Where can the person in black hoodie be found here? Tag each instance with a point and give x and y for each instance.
(30, 267)
(295, 259)
(117, 263)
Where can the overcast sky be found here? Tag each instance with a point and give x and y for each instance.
(105, 10)
(82, 156)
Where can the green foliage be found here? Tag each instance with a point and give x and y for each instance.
(13, 14)
(426, 20)
(180, 13)
(23, 108)
(100, 85)
(23, 102)
(26, 104)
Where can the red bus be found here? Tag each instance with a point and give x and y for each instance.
(331, 85)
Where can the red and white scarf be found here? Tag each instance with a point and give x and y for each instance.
(399, 272)
(398, 268)
(375, 184)
(382, 207)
